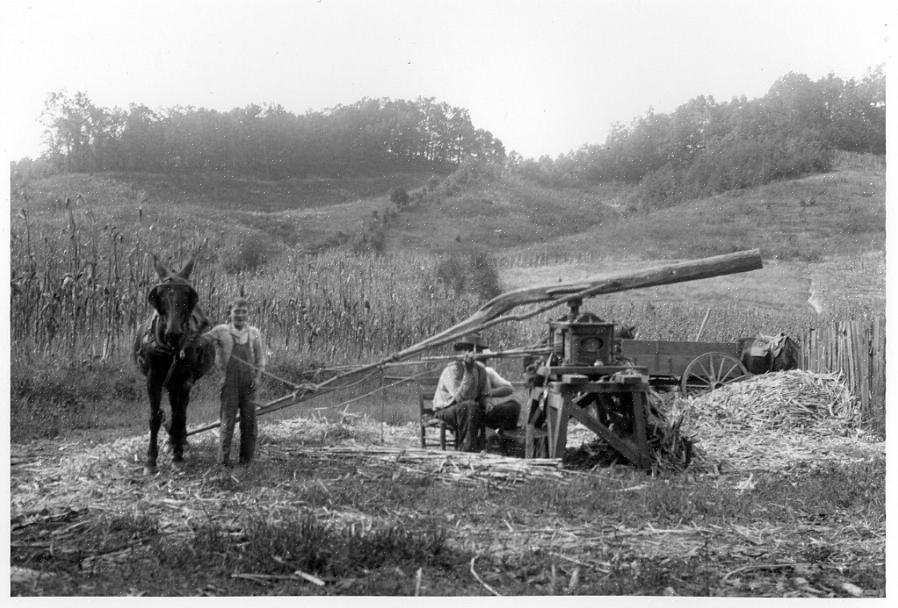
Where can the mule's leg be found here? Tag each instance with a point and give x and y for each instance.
(177, 433)
(154, 391)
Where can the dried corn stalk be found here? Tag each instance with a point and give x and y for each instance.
(792, 400)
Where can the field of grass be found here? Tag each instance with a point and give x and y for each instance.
(807, 219)
(502, 215)
(845, 287)
(223, 192)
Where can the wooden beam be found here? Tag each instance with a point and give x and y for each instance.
(730, 263)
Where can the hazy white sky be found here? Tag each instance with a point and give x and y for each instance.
(545, 77)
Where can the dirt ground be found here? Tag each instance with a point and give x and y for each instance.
(783, 498)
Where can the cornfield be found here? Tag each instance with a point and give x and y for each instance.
(78, 290)
(80, 275)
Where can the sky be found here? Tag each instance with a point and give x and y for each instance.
(545, 77)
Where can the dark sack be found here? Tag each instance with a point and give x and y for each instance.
(763, 354)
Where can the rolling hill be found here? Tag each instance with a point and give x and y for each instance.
(822, 236)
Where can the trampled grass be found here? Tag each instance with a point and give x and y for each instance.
(306, 520)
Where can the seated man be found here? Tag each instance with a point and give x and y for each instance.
(461, 397)
(500, 414)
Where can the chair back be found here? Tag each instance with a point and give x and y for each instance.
(427, 387)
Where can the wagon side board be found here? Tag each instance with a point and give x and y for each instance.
(666, 358)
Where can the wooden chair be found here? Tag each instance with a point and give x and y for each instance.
(427, 386)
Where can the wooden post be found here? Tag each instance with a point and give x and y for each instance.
(702, 326)
(556, 421)
(640, 430)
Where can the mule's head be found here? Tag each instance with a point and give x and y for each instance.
(174, 299)
(626, 332)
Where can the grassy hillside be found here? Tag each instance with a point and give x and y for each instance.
(822, 237)
(504, 214)
(228, 192)
(807, 219)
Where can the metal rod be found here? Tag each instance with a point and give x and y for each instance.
(702, 327)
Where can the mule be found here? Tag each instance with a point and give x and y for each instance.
(169, 351)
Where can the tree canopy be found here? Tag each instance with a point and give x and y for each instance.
(369, 136)
(705, 146)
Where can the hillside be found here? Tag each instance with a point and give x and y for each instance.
(821, 236)
(270, 196)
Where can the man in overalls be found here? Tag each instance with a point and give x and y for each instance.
(240, 356)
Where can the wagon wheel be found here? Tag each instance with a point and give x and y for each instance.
(711, 370)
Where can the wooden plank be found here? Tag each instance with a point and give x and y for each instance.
(640, 424)
(588, 370)
(878, 390)
(859, 363)
(813, 363)
(556, 419)
(602, 387)
(670, 358)
(529, 429)
(560, 408)
(625, 447)
(668, 347)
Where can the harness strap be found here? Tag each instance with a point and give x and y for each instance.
(171, 369)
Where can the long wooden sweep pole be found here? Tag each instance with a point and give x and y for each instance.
(559, 293)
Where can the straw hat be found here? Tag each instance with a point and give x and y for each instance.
(471, 341)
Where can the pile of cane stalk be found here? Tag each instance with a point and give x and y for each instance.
(796, 400)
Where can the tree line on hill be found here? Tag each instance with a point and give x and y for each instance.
(701, 148)
(705, 147)
(267, 142)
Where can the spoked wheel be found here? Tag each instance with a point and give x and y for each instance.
(711, 370)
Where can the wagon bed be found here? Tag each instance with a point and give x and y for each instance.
(693, 366)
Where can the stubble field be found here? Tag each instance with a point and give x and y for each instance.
(774, 505)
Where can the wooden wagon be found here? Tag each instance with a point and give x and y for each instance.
(693, 367)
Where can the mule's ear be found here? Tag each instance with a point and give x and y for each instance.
(161, 270)
(153, 298)
(188, 267)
